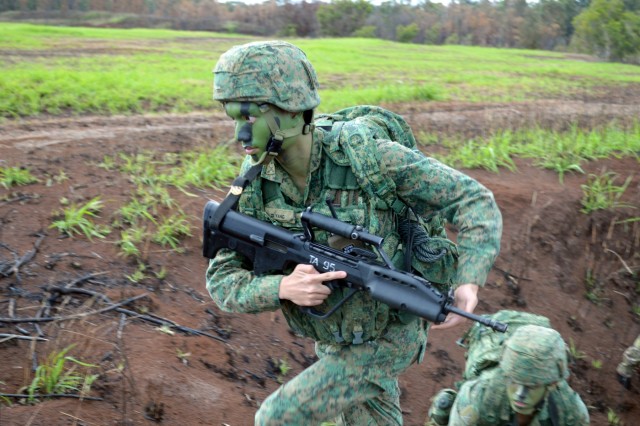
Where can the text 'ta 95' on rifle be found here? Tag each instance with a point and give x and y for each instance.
(273, 249)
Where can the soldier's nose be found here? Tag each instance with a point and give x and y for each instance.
(245, 134)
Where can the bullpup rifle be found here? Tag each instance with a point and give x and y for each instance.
(273, 249)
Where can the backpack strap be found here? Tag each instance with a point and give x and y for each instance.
(358, 146)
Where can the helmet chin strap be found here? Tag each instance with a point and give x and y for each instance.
(278, 135)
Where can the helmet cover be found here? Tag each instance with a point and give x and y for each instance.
(535, 356)
(275, 72)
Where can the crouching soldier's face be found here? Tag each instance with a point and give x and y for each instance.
(524, 399)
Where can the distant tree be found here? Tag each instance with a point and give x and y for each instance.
(606, 29)
(9, 5)
(341, 18)
(368, 31)
(407, 33)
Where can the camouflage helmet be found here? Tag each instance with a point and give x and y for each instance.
(274, 72)
(535, 356)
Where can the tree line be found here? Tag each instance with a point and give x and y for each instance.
(609, 29)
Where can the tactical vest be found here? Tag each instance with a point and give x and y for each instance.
(362, 195)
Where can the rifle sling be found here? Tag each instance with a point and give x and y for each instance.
(238, 186)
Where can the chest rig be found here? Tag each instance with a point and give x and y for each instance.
(333, 190)
(346, 182)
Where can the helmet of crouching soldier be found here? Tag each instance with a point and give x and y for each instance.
(535, 356)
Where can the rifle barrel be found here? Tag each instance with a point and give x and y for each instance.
(491, 323)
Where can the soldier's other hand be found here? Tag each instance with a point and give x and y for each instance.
(304, 286)
(465, 298)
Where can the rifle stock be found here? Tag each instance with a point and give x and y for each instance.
(273, 249)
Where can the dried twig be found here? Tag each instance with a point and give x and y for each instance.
(111, 307)
(7, 268)
(51, 395)
(149, 318)
(622, 261)
(165, 322)
(6, 337)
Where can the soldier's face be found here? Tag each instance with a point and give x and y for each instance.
(252, 130)
(524, 399)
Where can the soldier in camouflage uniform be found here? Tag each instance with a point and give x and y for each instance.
(630, 361)
(270, 90)
(528, 387)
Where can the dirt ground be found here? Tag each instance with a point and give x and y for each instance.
(552, 256)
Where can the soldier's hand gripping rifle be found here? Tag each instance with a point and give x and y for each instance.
(273, 249)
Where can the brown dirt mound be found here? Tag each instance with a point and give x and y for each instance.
(553, 257)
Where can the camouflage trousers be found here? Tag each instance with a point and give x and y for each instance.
(630, 359)
(349, 385)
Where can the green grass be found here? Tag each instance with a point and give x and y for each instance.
(563, 152)
(15, 176)
(152, 214)
(54, 377)
(46, 71)
(601, 193)
(78, 219)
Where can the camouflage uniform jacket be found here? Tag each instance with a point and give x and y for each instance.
(484, 402)
(423, 183)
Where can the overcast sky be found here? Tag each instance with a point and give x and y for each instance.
(375, 2)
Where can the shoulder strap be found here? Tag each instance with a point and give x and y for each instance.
(361, 149)
(230, 202)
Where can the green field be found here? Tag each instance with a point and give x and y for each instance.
(71, 70)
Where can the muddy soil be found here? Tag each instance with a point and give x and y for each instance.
(552, 258)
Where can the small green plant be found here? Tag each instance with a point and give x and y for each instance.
(562, 164)
(593, 291)
(600, 192)
(59, 178)
(574, 352)
(183, 356)
(171, 230)
(161, 274)
(108, 163)
(53, 377)
(4, 399)
(15, 176)
(283, 368)
(129, 240)
(597, 364)
(166, 329)
(613, 418)
(138, 275)
(77, 220)
(134, 210)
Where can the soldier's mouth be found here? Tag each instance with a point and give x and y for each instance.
(249, 150)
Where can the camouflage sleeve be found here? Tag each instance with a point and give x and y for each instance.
(236, 289)
(464, 411)
(429, 186)
(231, 283)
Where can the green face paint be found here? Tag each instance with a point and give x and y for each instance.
(524, 399)
(252, 125)
(252, 130)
